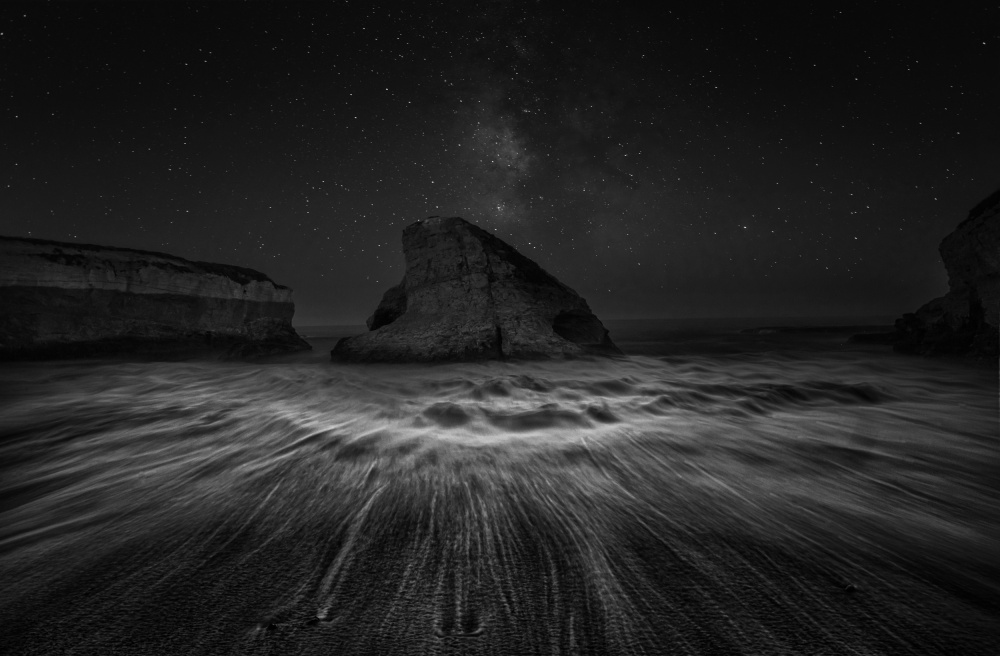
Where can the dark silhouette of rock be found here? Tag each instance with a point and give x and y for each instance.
(467, 295)
(392, 307)
(69, 300)
(965, 320)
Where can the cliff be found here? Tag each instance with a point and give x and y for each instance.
(467, 295)
(65, 300)
(965, 320)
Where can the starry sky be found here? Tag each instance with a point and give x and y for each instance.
(715, 160)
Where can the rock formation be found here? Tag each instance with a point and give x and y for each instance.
(467, 295)
(64, 300)
(965, 320)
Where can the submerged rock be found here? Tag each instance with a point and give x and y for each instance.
(965, 320)
(67, 300)
(467, 295)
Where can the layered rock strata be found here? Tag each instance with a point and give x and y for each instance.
(66, 300)
(467, 295)
(965, 320)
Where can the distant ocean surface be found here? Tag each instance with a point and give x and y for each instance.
(665, 336)
(714, 491)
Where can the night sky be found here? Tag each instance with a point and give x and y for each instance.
(716, 160)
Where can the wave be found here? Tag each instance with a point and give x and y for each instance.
(310, 504)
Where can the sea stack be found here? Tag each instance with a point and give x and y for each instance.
(68, 300)
(467, 295)
(965, 320)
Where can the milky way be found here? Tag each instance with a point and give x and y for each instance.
(720, 160)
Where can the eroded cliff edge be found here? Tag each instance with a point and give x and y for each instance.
(965, 320)
(467, 295)
(69, 300)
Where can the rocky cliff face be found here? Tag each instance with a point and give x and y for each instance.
(63, 299)
(965, 320)
(467, 295)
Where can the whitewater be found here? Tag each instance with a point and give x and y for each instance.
(711, 492)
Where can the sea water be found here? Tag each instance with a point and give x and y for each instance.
(712, 491)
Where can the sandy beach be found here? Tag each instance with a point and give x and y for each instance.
(757, 503)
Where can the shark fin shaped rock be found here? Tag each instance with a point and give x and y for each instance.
(966, 320)
(467, 295)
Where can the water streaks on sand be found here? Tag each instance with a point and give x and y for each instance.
(683, 505)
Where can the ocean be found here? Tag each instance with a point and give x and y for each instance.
(714, 491)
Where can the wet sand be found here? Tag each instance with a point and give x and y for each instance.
(710, 505)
